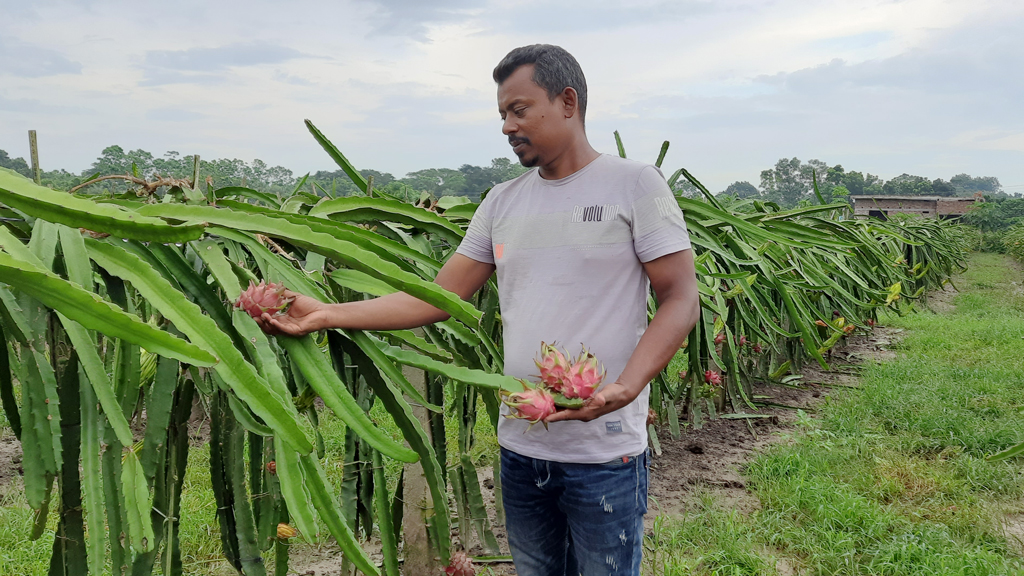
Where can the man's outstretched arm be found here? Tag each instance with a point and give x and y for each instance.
(675, 284)
(460, 274)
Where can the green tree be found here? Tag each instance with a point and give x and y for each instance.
(742, 189)
(437, 181)
(908, 185)
(17, 164)
(967, 185)
(786, 183)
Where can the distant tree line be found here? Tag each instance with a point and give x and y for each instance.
(788, 183)
(791, 181)
(468, 180)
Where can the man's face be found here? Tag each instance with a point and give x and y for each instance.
(536, 126)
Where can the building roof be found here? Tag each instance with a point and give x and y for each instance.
(926, 198)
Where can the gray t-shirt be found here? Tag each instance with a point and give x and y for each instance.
(568, 255)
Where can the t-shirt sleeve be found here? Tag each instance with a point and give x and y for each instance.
(658, 225)
(477, 242)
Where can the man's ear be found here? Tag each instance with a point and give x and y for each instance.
(570, 102)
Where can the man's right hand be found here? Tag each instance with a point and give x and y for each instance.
(304, 315)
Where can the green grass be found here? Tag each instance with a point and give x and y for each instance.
(891, 478)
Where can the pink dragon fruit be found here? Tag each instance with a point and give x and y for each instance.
(719, 338)
(460, 565)
(533, 404)
(553, 366)
(712, 377)
(263, 297)
(584, 376)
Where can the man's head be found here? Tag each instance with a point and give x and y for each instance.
(542, 99)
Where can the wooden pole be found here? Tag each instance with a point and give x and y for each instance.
(419, 557)
(34, 153)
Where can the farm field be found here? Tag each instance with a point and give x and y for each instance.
(886, 479)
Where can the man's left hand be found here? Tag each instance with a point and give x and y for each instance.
(608, 399)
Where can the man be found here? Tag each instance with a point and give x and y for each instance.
(575, 244)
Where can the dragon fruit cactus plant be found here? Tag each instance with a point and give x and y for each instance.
(263, 297)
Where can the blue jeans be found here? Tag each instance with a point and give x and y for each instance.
(571, 519)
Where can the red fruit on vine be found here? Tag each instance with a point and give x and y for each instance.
(460, 565)
(719, 338)
(712, 377)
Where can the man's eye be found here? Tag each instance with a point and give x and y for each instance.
(520, 111)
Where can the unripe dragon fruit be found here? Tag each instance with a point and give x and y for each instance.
(713, 378)
(532, 404)
(584, 376)
(553, 366)
(460, 565)
(286, 531)
(263, 297)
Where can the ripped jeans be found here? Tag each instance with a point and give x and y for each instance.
(570, 519)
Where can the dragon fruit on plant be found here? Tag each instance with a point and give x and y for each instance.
(263, 297)
(460, 565)
(712, 377)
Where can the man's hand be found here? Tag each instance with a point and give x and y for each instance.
(304, 315)
(608, 399)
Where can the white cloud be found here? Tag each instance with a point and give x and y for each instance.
(919, 86)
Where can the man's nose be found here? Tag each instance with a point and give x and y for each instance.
(509, 125)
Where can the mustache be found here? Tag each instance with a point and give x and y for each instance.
(513, 141)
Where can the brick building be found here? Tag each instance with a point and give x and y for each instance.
(925, 206)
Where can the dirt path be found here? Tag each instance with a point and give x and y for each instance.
(712, 458)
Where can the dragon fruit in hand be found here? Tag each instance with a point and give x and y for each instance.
(553, 366)
(532, 404)
(584, 376)
(263, 297)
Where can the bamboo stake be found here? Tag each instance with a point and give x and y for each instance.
(34, 153)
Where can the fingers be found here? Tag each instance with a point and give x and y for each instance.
(276, 325)
(594, 408)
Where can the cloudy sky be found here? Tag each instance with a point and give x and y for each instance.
(929, 87)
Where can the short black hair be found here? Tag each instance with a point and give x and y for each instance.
(554, 69)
